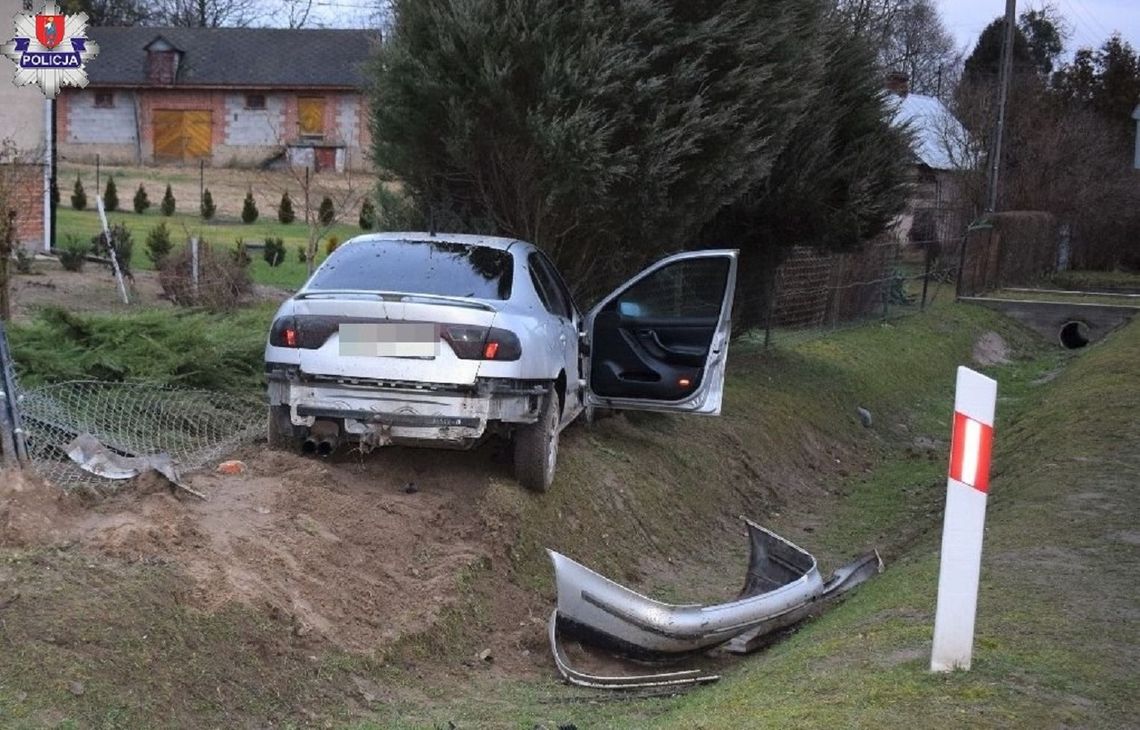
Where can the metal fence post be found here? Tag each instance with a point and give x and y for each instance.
(886, 282)
(7, 244)
(194, 265)
(926, 276)
(12, 442)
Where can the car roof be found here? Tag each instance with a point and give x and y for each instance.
(470, 239)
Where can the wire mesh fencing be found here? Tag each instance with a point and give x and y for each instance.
(816, 292)
(193, 427)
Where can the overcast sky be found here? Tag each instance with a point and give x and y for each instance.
(1090, 22)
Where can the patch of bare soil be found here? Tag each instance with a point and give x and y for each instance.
(991, 349)
(363, 552)
(94, 290)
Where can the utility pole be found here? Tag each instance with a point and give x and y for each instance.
(1003, 96)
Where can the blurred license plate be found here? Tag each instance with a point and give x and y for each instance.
(401, 339)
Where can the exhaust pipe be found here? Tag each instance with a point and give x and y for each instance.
(325, 436)
(309, 446)
(327, 446)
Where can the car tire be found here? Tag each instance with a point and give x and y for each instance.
(536, 447)
(280, 428)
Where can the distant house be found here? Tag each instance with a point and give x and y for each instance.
(242, 96)
(25, 162)
(938, 209)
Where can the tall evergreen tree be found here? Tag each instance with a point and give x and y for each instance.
(610, 133)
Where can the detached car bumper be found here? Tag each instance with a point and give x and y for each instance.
(383, 412)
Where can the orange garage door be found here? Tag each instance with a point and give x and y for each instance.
(182, 134)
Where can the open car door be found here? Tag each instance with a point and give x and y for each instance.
(660, 341)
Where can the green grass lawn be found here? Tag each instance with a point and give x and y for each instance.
(290, 274)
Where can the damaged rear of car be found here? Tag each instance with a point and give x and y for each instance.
(404, 340)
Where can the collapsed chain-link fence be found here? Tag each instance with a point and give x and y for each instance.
(193, 427)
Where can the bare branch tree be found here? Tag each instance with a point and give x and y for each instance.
(209, 13)
(297, 12)
(910, 37)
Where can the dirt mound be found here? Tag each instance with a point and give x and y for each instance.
(991, 349)
(362, 551)
(32, 513)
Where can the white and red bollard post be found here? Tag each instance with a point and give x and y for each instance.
(966, 486)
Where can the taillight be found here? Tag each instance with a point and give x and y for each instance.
(471, 342)
(306, 331)
(283, 333)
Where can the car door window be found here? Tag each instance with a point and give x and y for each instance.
(548, 290)
(566, 301)
(692, 289)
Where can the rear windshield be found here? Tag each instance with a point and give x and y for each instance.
(418, 267)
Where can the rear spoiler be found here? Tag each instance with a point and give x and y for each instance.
(395, 296)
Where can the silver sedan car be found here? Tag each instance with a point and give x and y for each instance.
(431, 339)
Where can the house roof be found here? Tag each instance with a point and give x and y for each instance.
(941, 142)
(249, 57)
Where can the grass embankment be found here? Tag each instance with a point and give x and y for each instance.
(1053, 646)
(291, 273)
(651, 500)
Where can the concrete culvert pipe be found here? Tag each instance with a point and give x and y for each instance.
(1074, 335)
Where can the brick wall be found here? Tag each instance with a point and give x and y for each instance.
(238, 135)
(25, 183)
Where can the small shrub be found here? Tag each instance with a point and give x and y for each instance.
(367, 215)
(111, 196)
(326, 214)
(240, 254)
(396, 213)
(122, 244)
(331, 244)
(248, 209)
(73, 254)
(301, 255)
(274, 251)
(79, 195)
(896, 289)
(222, 281)
(25, 262)
(158, 244)
(285, 212)
(167, 206)
(142, 202)
(208, 209)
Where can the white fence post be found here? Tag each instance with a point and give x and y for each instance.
(966, 486)
(111, 249)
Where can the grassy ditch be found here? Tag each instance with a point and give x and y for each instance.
(651, 500)
(1053, 646)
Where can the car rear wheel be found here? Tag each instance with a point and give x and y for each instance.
(280, 428)
(536, 447)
